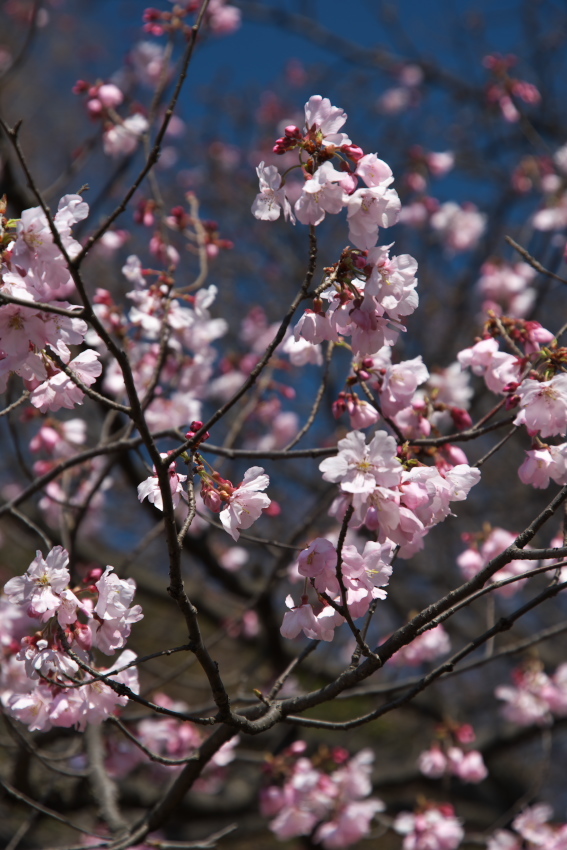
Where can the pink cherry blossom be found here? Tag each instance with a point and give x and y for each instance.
(300, 618)
(321, 194)
(426, 647)
(40, 588)
(358, 468)
(149, 488)
(122, 139)
(246, 502)
(60, 391)
(543, 406)
(318, 557)
(272, 199)
(460, 227)
(472, 560)
(374, 171)
(432, 829)
(400, 383)
(433, 762)
(368, 210)
(324, 120)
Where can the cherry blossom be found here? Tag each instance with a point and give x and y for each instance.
(150, 488)
(246, 502)
(358, 467)
(122, 139)
(323, 121)
(40, 588)
(60, 390)
(428, 646)
(368, 210)
(436, 828)
(321, 194)
(460, 227)
(543, 406)
(271, 200)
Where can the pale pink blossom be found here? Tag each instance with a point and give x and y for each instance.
(433, 762)
(426, 647)
(440, 163)
(349, 825)
(246, 502)
(368, 210)
(432, 829)
(374, 171)
(361, 413)
(471, 767)
(122, 139)
(268, 204)
(39, 589)
(473, 560)
(400, 383)
(318, 557)
(359, 468)
(150, 489)
(502, 839)
(543, 406)
(301, 352)
(535, 468)
(506, 286)
(324, 121)
(60, 391)
(321, 194)
(315, 328)
(498, 368)
(536, 697)
(300, 618)
(460, 227)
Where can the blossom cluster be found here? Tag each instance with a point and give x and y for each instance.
(34, 270)
(531, 829)
(165, 740)
(326, 796)
(431, 827)
(45, 676)
(446, 756)
(535, 697)
(186, 374)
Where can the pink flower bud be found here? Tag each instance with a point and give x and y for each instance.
(273, 509)
(465, 734)
(212, 499)
(110, 95)
(354, 152)
(80, 87)
(339, 406)
(461, 418)
(293, 132)
(94, 106)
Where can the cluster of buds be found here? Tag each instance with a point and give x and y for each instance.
(120, 135)
(291, 138)
(312, 142)
(145, 212)
(194, 428)
(157, 22)
(506, 87)
(215, 490)
(220, 18)
(102, 97)
(179, 219)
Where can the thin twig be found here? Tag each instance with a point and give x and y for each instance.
(532, 260)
